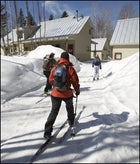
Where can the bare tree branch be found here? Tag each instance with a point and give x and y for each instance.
(127, 11)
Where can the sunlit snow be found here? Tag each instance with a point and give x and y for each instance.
(108, 128)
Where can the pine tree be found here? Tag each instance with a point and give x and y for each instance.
(3, 25)
(21, 20)
(7, 26)
(16, 14)
(30, 20)
(39, 17)
(11, 21)
(64, 14)
(3, 20)
(51, 17)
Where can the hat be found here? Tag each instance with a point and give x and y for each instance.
(52, 54)
(65, 55)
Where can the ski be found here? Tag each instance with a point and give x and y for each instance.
(44, 146)
(71, 129)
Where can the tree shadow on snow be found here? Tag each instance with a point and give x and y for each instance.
(87, 142)
(109, 119)
(105, 119)
(93, 140)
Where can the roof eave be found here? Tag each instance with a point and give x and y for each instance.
(126, 44)
(49, 38)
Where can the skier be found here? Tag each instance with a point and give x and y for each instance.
(48, 63)
(96, 64)
(58, 96)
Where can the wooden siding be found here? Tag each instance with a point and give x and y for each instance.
(126, 51)
(82, 43)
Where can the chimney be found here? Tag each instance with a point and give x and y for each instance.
(77, 15)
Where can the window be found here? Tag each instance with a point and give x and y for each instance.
(57, 45)
(90, 31)
(71, 49)
(118, 56)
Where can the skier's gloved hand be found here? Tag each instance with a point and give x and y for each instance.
(77, 93)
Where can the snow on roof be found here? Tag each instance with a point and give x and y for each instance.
(100, 44)
(12, 36)
(62, 27)
(126, 32)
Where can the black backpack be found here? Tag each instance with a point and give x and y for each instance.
(97, 61)
(60, 78)
(47, 64)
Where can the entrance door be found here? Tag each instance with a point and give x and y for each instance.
(70, 49)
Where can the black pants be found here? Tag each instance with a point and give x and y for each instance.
(56, 103)
(48, 85)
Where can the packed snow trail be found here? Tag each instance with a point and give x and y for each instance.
(107, 128)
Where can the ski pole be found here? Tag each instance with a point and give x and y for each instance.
(72, 128)
(76, 105)
(101, 73)
(41, 99)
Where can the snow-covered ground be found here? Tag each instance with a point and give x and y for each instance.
(108, 129)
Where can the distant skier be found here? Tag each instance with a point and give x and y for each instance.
(48, 63)
(57, 96)
(96, 64)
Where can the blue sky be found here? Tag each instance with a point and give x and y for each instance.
(84, 7)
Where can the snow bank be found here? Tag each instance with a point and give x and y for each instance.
(43, 50)
(19, 75)
(126, 76)
(23, 73)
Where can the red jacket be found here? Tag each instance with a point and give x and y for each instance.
(71, 79)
